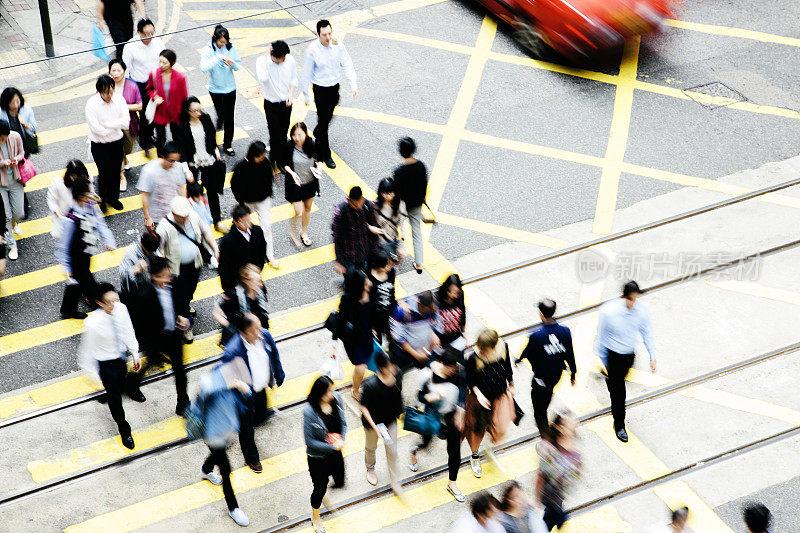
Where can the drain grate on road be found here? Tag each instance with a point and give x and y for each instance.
(714, 95)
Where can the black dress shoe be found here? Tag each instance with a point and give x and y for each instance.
(181, 408)
(622, 435)
(78, 315)
(136, 396)
(128, 442)
(330, 163)
(117, 205)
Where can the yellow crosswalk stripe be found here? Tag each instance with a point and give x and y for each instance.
(214, 14)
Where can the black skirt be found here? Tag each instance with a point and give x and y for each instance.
(295, 193)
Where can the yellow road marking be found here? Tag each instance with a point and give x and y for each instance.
(757, 290)
(728, 31)
(500, 231)
(460, 113)
(617, 140)
(214, 14)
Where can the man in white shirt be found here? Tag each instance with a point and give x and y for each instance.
(107, 115)
(141, 58)
(107, 337)
(276, 71)
(324, 61)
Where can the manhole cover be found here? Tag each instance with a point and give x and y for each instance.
(714, 95)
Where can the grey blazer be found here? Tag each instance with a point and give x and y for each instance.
(314, 429)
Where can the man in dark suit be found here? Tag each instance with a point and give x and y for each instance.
(259, 352)
(159, 329)
(243, 244)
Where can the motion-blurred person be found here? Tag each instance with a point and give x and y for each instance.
(182, 234)
(220, 59)
(353, 230)
(12, 153)
(355, 325)
(559, 466)
(116, 14)
(222, 401)
(141, 57)
(160, 181)
(322, 70)
(159, 329)
(381, 275)
(389, 210)
(411, 184)
(301, 181)
(255, 346)
(482, 517)
(107, 115)
(757, 518)
(549, 352)
(249, 296)
(677, 524)
(251, 185)
(85, 234)
(324, 429)
(133, 268)
(490, 404)
(620, 324)
(197, 140)
(244, 244)
(133, 99)
(411, 328)
(2, 238)
(167, 89)
(21, 119)
(443, 388)
(107, 339)
(451, 313)
(381, 405)
(59, 194)
(517, 514)
(276, 71)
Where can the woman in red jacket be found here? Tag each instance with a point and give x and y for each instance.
(167, 89)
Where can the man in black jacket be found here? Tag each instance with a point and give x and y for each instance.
(159, 329)
(242, 245)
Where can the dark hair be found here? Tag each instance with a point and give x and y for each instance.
(425, 298)
(117, 62)
(142, 23)
(308, 145)
(170, 147)
(757, 517)
(221, 31)
(547, 307)
(194, 189)
(239, 211)
(80, 187)
(444, 288)
(482, 504)
(102, 289)
(381, 360)
(104, 83)
(255, 149)
(681, 513)
(75, 168)
(353, 291)
(505, 503)
(407, 147)
(322, 23)
(451, 356)
(185, 108)
(150, 241)
(169, 55)
(318, 390)
(385, 186)
(378, 259)
(157, 265)
(5, 128)
(244, 321)
(630, 288)
(7, 95)
(280, 49)
(355, 193)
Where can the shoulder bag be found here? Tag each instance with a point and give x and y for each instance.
(204, 253)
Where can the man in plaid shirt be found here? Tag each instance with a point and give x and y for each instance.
(354, 230)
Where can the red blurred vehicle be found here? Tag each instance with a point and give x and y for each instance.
(579, 29)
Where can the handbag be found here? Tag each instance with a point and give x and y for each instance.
(195, 421)
(376, 348)
(150, 111)
(423, 423)
(30, 141)
(26, 171)
(332, 368)
(98, 43)
(204, 253)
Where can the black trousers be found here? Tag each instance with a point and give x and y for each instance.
(278, 116)
(541, 395)
(253, 416)
(218, 457)
(86, 285)
(112, 374)
(187, 280)
(161, 133)
(454, 438)
(224, 105)
(554, 517)
(145, 128)
(169, 344)
(619, 364)
(108, 157)
(321, 470)
(200, 174)
(326, 98)
(121, 31)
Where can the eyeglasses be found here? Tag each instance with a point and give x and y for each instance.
(147, 34)
(171, 161)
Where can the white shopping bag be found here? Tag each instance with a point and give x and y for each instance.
(331, 366)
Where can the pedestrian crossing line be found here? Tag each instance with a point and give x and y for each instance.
(757, 290)
(728, 31)
(38, 336)
(214, 14)
(500, 231)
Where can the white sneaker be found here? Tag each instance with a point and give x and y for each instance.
(213, 477)
(475, 464)
(13, 254)
(18, 230)
(239, 517)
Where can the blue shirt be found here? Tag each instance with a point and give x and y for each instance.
(323, 66)
(220, 80)
(619, 327)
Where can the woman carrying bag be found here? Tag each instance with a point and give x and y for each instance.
(355, 325)
(559, 467)
(249, 296)
(490, 402)
(166, 88)
(301, 168)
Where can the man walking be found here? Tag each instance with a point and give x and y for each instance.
(107, 338)
(411, 183)
(276, 71)
(256, 347)
(116, 14)
(160, 181)
(620, 323)
(549, 352)
(324, 61)
(141, 58)
(133, 266)
(412, 334)
(243, 244)
(353, 228)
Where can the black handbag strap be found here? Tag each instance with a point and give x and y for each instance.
(182, 232)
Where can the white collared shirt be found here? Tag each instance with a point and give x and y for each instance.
(323, 66)
(276, 78)
(142, 59)
(246, 234)
(107, 120)
(107, 337)
(260, 369)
